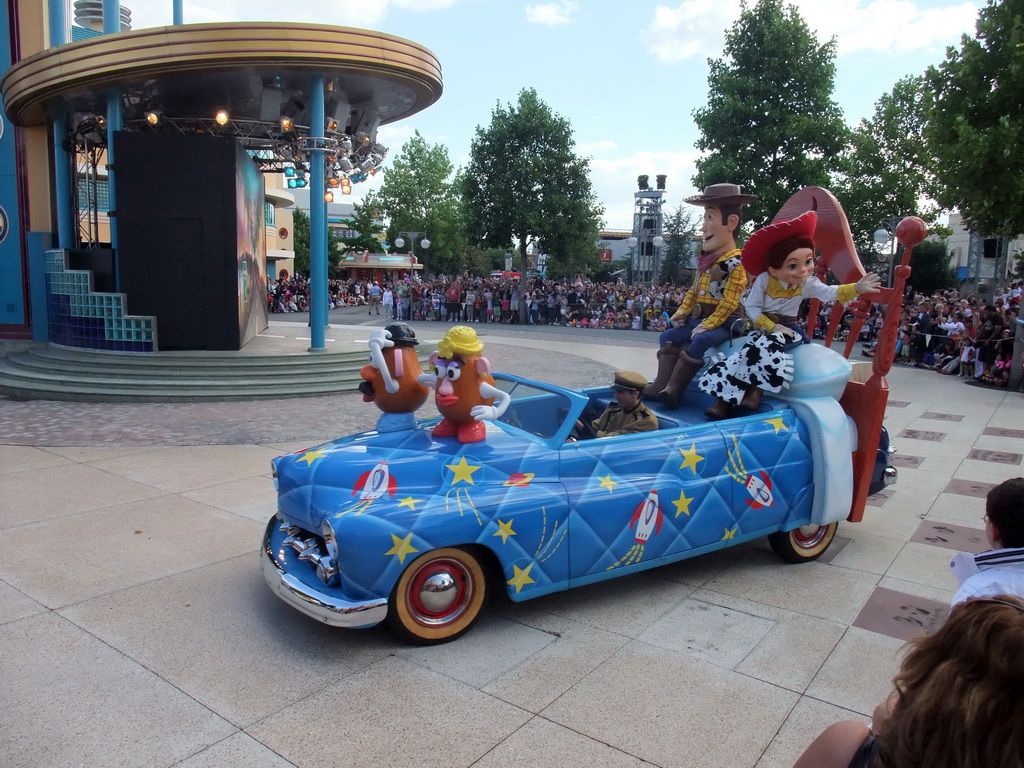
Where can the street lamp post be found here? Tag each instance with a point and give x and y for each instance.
(886, 233)
(633, 268)
(424, 244)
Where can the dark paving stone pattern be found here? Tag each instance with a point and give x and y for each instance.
(879, 499)
(998, 457)
(921, 434)
(1004, 432)
(900, 615)
(942, 416)
(906, 461)
(974, 488)
(897, 403)
(949, 536)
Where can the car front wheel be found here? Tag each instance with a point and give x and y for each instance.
(438, 597)
(808, 542)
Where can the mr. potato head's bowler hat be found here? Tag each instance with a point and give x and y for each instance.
(629, 380)
(720, 194)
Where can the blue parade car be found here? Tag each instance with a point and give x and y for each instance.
(416, 530)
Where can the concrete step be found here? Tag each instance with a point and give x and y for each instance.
(45, 372)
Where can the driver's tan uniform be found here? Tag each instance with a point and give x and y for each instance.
(616, 421)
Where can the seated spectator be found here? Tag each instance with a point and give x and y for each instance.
(956, 703)
(1000, 570)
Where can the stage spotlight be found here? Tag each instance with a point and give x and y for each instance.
(222, 117)
(346, 190)
(333, 183)
(332, 125)
(661, 181)
(289, 172)
(286, 123)
(641, 182)
(153, 116)
(328, 197)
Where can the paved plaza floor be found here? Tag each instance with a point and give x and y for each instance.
(136, 629)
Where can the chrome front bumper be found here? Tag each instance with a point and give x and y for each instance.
(313, 602)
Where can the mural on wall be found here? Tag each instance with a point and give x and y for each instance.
(251, 248)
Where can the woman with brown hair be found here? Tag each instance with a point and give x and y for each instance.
(957, 701)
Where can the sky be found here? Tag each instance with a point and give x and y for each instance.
(627, 74)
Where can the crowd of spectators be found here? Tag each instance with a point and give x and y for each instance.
(944, 332)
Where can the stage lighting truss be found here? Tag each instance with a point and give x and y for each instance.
(274, 146)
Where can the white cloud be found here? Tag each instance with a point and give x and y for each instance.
(347, 13)
(695, 29)
(551, 14)
(614, 181)
(595, 147)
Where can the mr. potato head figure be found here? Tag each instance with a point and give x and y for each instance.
(464, 389)
(391, 380)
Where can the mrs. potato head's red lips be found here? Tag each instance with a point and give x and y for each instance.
(446, 400)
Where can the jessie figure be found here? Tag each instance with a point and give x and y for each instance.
(780, 258)
(464, 389)
(391, 380)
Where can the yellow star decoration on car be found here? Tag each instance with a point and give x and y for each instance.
(409, 502)
(690, 458)
(521, 578)
(310, 456)
(729, 534)
(402, 547)
(778, 424)
(682, 504)
(607, 482)
(504, 530)
(463, 471)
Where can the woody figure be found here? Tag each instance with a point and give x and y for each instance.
(712, 303)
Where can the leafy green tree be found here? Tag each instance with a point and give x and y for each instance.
(975, 125)
(887, 171)
(770, 123)
(930, 267)
(365, 221)
(300, 226)
(679, 232)
(524, 183)
(420, 194)
(300, 230)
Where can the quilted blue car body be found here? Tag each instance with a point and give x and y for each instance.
(544, 512)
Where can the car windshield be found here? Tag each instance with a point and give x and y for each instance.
(533, 409)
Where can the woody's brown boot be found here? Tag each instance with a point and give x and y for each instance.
(668, 356)
(718, 410)
(682, 374)
(751, 400)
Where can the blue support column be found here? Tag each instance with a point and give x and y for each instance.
(62, 192)
(58, 23)
(178, 15)
(317, 220)
(111, 16)
(115, 122)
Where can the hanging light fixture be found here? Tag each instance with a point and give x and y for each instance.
(222, 117)
(286, 123)
(153, 116)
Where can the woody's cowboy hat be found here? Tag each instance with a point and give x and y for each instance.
(720, 194)
(756, 248)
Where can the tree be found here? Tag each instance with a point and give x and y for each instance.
(524, 182)
(975, 125)
(930, 267)
(680, 232)
(365, 221)
(300, 226)
(300, 229)
(770, 123)
(886, 171)
(420, 194)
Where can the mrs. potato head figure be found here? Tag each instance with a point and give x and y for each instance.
(391, 380)
(464, 389)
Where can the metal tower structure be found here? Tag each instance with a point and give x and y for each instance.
(647, 227)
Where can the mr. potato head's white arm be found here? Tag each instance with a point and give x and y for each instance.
(380, 339)
(489, 412)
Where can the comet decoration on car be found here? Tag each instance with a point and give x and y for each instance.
(759, 488)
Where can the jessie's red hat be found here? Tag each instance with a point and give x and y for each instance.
(756, 248)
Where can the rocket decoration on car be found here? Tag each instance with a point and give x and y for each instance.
(759, 486)
(372, 485)
(392, 379)
(464, 390)
(647, 517)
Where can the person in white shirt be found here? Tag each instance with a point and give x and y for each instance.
(1000, 570)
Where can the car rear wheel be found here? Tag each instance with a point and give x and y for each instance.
(438, 597)
(802, 544)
